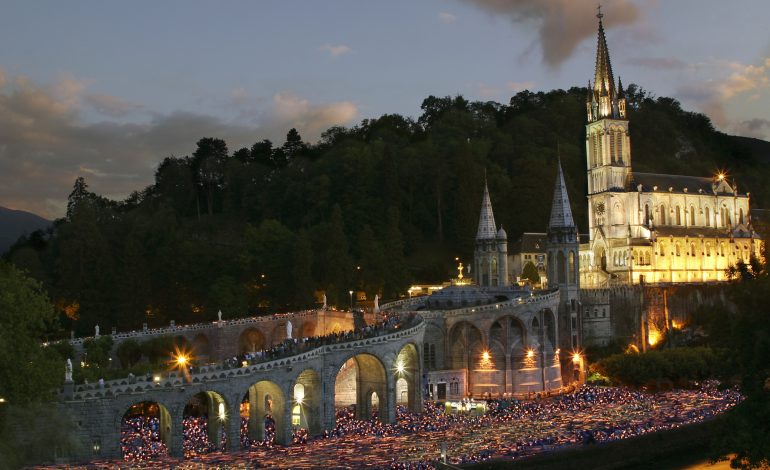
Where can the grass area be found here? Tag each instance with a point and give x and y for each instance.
(667, 450)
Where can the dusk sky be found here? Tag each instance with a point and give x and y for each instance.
(106, 90)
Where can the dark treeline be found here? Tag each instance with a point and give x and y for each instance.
(371, 208)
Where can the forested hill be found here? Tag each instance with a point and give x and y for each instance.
(373, 207)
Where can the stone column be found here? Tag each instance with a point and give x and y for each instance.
(176, 440)
(234, 425)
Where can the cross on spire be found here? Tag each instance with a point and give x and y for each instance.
(599, 13)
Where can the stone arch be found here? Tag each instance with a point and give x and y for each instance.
(307, 392)
(201, 347)
(507, 337)
(407, 371)
(204, 420)
(357, 379)
(278, 334)
(466, 342)
(145, 430)
(266, 403)
(308, 329)
(601, 256)
(251, 340)
(692, 215)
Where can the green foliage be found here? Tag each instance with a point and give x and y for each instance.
(97, 351)
(32, 432)
(28, 371)
(677, 366)
(129, 352)
(159, 349)
(530, 272)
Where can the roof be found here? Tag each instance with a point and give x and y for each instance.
(530, 243)
(604, 83)
(678, 183)
(705, 232)
(561, 213)
(487, 228)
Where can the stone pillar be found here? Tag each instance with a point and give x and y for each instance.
(234, 426)
(176, 439)
(388, 404)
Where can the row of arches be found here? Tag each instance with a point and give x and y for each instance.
(267, 411)
(681, 217)
(615, 138)
(507, 344)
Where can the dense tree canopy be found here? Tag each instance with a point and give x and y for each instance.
(372, 207)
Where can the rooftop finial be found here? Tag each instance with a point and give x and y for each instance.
(599, 13)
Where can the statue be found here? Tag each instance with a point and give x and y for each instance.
(376, 303)
(289, 327)
(68, 371)
(324, 305)
(97, 332)
(219, 315)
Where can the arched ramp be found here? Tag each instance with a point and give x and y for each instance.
(407, 378)
(267, 400)
(362, 381)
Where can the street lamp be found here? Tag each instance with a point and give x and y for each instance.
(351, 299)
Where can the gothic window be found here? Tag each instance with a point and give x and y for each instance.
(708, 249)
(612, 146)
(721, 248)
(678, 249)
(692, 249)
(647, 214)
(662, 249)
(647, 258)
(572, 270)
(620, 146)
(740, 216)
(662, 214)
(560, 268)
(678, 215)
(692, 215)
(708, 217)
(494, 266)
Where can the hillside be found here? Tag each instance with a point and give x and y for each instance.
(373, 208)
(15, 223)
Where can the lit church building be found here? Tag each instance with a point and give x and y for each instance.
(647, 227)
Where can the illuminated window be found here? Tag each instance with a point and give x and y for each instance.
(296, 415)
(662, 214)
(708, 217)
(678, 215)
(692, 249)
(678, 249)
(692, 215)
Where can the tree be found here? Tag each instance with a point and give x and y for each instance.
(29, 371)
(208, 162)
(530, 272)
(129, 352)
(79, 194)
(293, 146)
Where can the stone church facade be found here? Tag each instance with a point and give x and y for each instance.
(648, 227)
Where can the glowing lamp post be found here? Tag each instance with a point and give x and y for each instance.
(351, 299)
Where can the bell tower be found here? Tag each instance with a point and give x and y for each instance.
(608, 146)
(490, 256)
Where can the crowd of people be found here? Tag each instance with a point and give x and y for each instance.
(140, 439)
(293, 346)
(196, 439)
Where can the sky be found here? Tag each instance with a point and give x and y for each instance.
(106, 90)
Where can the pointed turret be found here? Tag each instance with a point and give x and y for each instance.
(561, 212)
(487, 229)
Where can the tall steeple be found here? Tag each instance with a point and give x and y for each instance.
(561, 212)
(487, 229)
(604, 102)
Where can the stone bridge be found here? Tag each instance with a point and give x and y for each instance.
(297, 390)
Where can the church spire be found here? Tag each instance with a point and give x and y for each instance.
(561, 212)
(487, 228)
(603, 80)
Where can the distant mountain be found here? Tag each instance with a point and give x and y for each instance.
(14, 223)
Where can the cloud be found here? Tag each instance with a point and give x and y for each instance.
(446, 17)
(335, 50)
(661, 63)
(562, 24)
(758, 128)
(712, 96)
(109, 105)
(488, 91)
(45, 141)
(520, 86)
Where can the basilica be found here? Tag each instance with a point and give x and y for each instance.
(649, 227)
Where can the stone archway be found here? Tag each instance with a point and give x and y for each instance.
(357, 379)
(251, 340)
(145, 431)
(407, 377)
(306, 404)
(466, 344)
(266, 403)
(204, 424)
